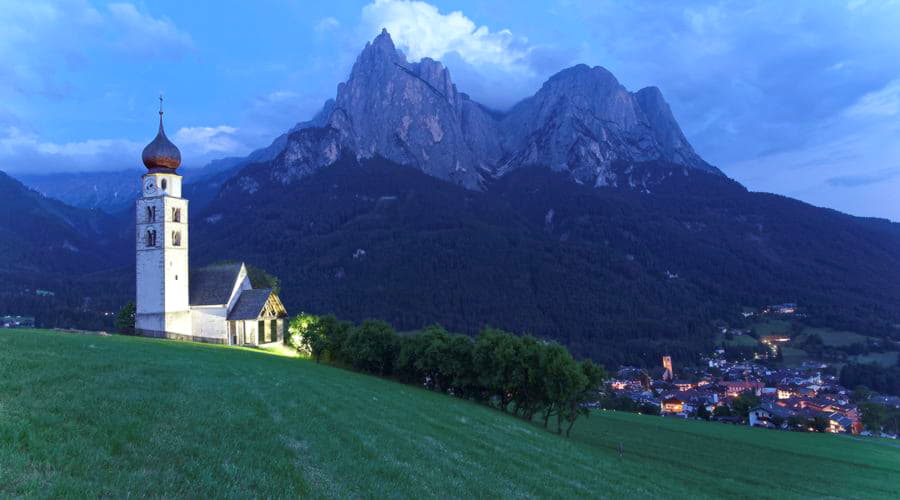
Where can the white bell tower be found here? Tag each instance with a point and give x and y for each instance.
(163, 302)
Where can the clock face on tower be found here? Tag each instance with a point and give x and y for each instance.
(149, 186)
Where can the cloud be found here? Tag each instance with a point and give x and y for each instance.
(747, 78)
(23, 151)
(143, 35)
(326, 24)
(49, 50)
(40, 42)
(204, 140)
(15, 139)
(881, 103)
(420, 30)
(857, 180)
(43, 43)
(842, 166)
(495, 66)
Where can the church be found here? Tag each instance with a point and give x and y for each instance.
(215, 304)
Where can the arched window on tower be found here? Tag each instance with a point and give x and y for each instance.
(176, 238)
(176, 215)
(151, 214)
(151, 238)
(163, 184)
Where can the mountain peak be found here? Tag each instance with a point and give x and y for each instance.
(381, 48)
(582, 75)
(582, 121)
(384, 39)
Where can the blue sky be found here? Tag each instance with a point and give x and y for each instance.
(800, 98)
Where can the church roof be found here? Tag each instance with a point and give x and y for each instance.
(212, 285)
(250, 304)
(161, 156)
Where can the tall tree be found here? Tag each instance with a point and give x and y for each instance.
(496, 358)
(373, 347)
(745, 402)
(125, 319)
(306, 334)
(336, 333)
(586, 388)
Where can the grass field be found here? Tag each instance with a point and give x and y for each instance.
(794, 355)
(878, 358)
(772, 327)
(834, 337)
(91, 416)
(737, 341)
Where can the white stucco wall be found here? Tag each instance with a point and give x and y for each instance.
(172, 184)
(176, 261)
(241, 283)
(209, 322)
(251, 332)
(161, 271)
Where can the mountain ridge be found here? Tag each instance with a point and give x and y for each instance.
(581, 121)
(615, 274)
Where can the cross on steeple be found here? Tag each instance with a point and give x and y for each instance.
(160, 104)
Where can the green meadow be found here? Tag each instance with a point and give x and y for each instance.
(113, 416)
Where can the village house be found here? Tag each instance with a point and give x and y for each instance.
(735, 388)
(16, 321)
(781, 309)
(764, 415)
(682, 385)
(672, 405)
(839, 423)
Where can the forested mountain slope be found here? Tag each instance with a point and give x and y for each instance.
(618, 275)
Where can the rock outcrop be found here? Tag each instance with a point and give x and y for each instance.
(582, 121)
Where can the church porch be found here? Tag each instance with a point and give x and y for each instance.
(257, 319)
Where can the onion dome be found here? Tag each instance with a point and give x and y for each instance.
(161, 156)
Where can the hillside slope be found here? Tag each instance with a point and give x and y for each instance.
(534, 252)
(49, 246)
(90, 416)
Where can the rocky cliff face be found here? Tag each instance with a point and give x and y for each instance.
(109, 191)
(582, 121)
(410, 113)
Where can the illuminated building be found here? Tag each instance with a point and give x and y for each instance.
(667, 364)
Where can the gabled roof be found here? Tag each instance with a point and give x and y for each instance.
(840, 419)
(213, 285)
(774, 410)
(251, 303)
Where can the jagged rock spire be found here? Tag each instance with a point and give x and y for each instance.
(582, 121)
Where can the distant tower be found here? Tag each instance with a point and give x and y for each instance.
(163, 308)
(667, 364)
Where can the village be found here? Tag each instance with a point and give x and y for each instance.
(753, 392)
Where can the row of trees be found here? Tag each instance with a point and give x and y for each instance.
(528, 377)
(883, 379)
(880, 418)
